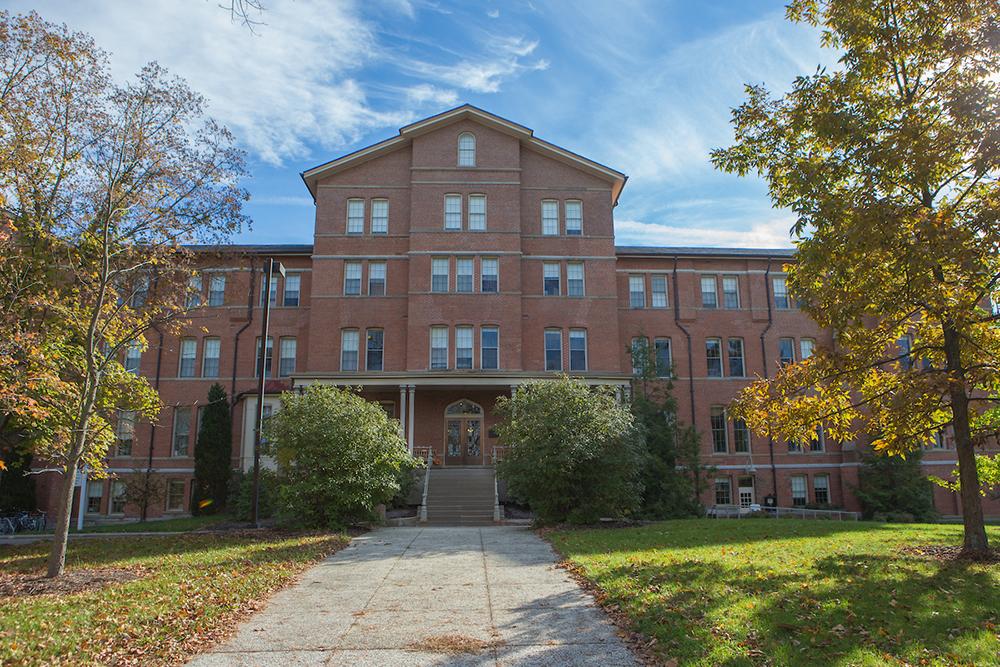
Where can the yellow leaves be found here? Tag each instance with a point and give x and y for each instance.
(3, 466)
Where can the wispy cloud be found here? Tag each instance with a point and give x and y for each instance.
(283, 200)
(767, 234)
(506, 58)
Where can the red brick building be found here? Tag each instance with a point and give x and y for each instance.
(457, 260)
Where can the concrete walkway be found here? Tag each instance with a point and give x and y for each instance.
(405, 596)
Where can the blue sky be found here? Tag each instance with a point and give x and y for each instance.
(645, 87)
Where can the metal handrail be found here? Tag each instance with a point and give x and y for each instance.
(427, 477)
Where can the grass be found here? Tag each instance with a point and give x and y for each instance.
(180, 524)
(723, 592)
(193, 589)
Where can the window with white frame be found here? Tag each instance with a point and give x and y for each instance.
(637, 291)
(664, 358)
(574, 217)
(550, 217)
(477, 213)
(818, 442)
(268, 354)
(799, 491)
(193, 297)
(380, 216)
(905, 348)
(821, 489)
(210, 353)
(723, 491)
(659, 284)
(95, 493)
(741, 436)
(355, 216)
(574, 279)
(189, 354)
(352, 278)
(709, 294)
(439, 348)
(175, 495)
(786, 351)
(374, 349)
(463, 347)
(286, 356)
(293, 285)
(439, 274)
(182, 431)
(489, 348)
(124, 432)
(730, 292)
(640, 355)
(780, 286)
(713, 357)
(133, 357)
(577, 349)
(720, 433)
(466, 150)
(464, 274)
(117, 497)
(349, 350)
(217, 289)
(736, 366)
(806, 347)
(376, 278)
(453, 212)
(550, 279)
(271, 294)
(553, 350)
(490, 282)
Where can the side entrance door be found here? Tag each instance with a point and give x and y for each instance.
(746, 494)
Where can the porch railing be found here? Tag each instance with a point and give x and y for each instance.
(422, 516)
(498, 454)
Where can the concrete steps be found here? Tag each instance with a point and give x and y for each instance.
(461, 496)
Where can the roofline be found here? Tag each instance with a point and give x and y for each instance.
(692, 251)
(253, 248)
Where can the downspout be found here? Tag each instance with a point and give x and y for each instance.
(763, 353)
(687, 334)
(152, 426)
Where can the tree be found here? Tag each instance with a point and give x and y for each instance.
(573, 451)
(988, 472)
(338, 456)
(143, 490)
(890, 165)
(104, 186)
(891, 484)
(213, 454)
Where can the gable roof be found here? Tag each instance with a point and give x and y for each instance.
(525, 134)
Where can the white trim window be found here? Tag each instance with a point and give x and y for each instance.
(453, 212)
(117, 502)
(574, 217)
(465, 274)
(193, 297)
(349, 350)
(806, 348)
(800, 493)
(175, 495)
(730, 292)
(550, 217)
(737, 367)
(781, 300)
(574, 279)
(133, 357)
(180, 442)
(723, 491)
(664, 357)
(490, 279)
(489, 348)
(713, 357)
(786, 351)
(709, 292)
(477, 213)
(352, 278)
(95, 493)
(553, 350)
(268, 356)
(439, 274)
(659, 285)
(210, 354)
(293, 285)
(551, 279)
(821, 489)
(466, 149)
(439, 348)
(578, 349)
(286, 356)
(125, 432)
(741, 437)
(374, 350)
(720, 429)
(637, 291)
(380, 216)
(463, 347)
(272, 293)
(217, 289)
(188, 357)
(376, 278)
(355, 216)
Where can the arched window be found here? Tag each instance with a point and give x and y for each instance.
(463, 407)
(466, 150)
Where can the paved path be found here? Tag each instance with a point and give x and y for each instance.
(394, 592)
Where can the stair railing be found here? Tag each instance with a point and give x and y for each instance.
(422, 518)
(497, 515)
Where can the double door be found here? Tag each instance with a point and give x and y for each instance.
(463, 441)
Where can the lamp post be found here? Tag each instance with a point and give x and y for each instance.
(269, 268)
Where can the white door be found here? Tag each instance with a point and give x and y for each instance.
(746, 494)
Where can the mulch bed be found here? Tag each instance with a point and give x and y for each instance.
(952, 554)
(72, 581)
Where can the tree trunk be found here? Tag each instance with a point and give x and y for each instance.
(57, 554)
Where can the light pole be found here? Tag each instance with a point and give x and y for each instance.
(269, 268)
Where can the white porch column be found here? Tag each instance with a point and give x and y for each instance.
(402, 412)
(409, 420)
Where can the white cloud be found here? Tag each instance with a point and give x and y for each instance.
(493, 13)
(484, 74)
(424, 93)
(772, 233)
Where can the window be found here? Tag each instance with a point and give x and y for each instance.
(659, 291)
(799, 497)
(574, 217)
(723, 494)
(210, 357)
(713, 355)
(741, 436)
(709, 297)
(806, 347)
(453, 211)
(553, 350)
(736, 367)
(821, 489)
(376, 278)
(664, 359)
(780, 292)
(380, 216)
(117, 498)
(466, 150)
(491, 275)
(349, 350)
(730, 292)
(352, 278)
(217, 289)
(818, 441)
(125, 432)
(374, 349)
(193, 297)
(439, 348)
(786, 351)
(182, 431)
(95, 491)
(268, 354)
(574, 279)
(640, 355)
(489, 348)
(271, 294)
(175, 495)
(577, 350)
(140, 293)
(905, 345)
(550, 279)
(637, 291)
(189, 353)
(463, 347)
(550, 217)
(133, 357)
(286, 356)
(720, 444)
(477, 213)
(355, 216)
(439, 274)
(464, 273)
(293, 282)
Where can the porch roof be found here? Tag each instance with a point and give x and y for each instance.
(451, 379)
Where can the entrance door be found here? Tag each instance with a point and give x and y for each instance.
(463, 434)
(746, 494)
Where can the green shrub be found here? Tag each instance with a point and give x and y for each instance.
(213, 454)
(574, 453)
(339, 456)
(240, 501)
(892, 485)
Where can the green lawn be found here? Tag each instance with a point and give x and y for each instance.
(193, 588)
(179, 524)
(726, 592)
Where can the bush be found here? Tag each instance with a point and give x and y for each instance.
(213, 454)
(339, 456)
(240, 500)
(574, 453)
(892, 485)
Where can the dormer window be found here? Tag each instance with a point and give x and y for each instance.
(466, 150)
